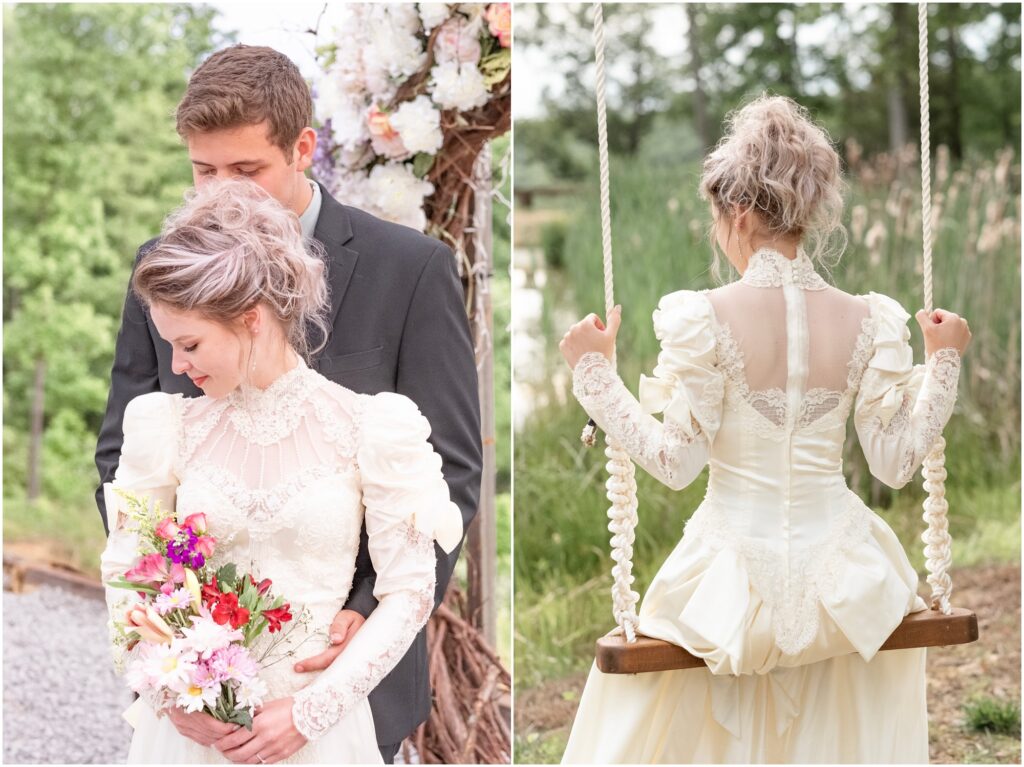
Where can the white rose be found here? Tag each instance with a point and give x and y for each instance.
(458, 87)
(419, 125)
(348, 126)
(432, 14)
(351, 188)
(398, 194)
(458, 40)
(393, 45)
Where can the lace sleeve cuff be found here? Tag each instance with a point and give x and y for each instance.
(938, 395)
(592, 378)
(378, 645)
(672, 451)
(933, 408)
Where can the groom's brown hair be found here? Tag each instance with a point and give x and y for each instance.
(245, 85)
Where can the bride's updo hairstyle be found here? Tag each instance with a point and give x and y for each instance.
(230, 247)
(776, 160)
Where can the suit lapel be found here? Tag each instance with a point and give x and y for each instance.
(333, 230)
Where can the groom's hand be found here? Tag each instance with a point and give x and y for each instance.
(344, 626)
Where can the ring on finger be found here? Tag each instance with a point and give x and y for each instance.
(262, 760)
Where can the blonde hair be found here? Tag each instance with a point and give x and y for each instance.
(230, 247)
(776, 160)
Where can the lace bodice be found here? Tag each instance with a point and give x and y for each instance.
(758, 379)
(286, 477)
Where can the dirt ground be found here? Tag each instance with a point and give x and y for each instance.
(990, 666)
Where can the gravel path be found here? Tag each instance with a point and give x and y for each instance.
(62, 700)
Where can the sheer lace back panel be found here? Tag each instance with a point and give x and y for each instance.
(757, 379)
(792, 348)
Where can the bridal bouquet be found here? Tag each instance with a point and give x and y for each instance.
(194, 626)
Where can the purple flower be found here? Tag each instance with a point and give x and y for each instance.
(323, 163)
(182, 550)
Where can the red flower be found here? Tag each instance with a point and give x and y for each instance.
(262, 587)
(227, 609)
(239, 618)
(211, 592)
(277, 616)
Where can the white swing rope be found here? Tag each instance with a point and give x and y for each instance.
(938, 543)
(621, 483)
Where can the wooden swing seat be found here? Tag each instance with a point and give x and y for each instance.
(927, 628)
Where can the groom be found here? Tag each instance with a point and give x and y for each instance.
(397, 315)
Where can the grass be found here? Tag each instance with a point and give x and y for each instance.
(503, 588)
(70, 534)
(985, 714)
(540, 748)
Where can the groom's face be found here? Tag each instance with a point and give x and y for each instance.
(247, 151)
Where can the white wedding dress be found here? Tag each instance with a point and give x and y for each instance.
(784, 582)
(285, 476)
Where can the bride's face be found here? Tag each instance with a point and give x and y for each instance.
(211, 353)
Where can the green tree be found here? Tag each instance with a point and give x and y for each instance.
(91, 165)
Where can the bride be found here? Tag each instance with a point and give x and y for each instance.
(285, 465)
(784, 582)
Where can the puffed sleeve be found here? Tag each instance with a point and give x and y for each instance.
(686, 387)
(408, 508)
(901, 408)
(145, 468)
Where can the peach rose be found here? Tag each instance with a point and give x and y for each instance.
(197, 522)
(167, 528)
(499, 22)
(383, 136)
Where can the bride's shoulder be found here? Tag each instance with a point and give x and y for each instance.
(375, 415)
(883, 308)
(333, 395)
(684, 315)
(153, 409)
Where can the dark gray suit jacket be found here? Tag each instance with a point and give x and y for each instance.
(399, 325)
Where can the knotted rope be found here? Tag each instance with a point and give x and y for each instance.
(938, 543)
(621, 484)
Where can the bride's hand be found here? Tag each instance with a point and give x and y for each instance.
(942, 329)
(591, 335)
(272, 739)
(200, 726)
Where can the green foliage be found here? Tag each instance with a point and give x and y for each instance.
(91, 166)
(552, 241)
(540, 748)
(855, 66)
(503, 588)
(986, 714)
(501, 302)
(227, 577)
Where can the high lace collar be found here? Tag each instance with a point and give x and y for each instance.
(265, 415)
(768, 268)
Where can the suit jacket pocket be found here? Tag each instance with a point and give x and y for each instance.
(346, 363)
